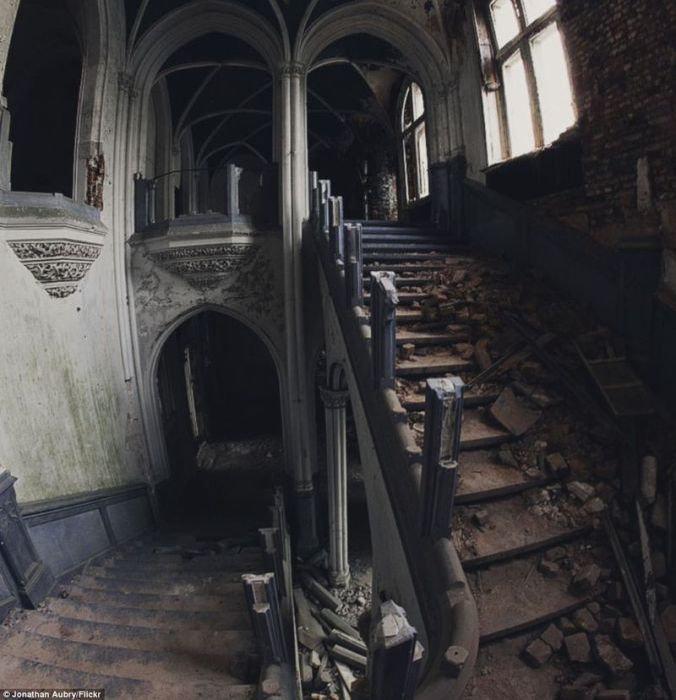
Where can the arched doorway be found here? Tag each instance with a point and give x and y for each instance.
(221, 414)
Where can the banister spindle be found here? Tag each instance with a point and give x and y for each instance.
(383, 328)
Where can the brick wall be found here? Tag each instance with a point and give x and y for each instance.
(623, 68)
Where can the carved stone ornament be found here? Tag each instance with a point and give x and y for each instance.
(206, 265)
(59, 265)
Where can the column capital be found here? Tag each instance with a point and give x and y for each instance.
(334, 399)
(293, 69)
(125, 82)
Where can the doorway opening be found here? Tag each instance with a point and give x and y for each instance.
(221, 414)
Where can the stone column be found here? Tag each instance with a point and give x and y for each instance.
(336, 467)
(291, 113)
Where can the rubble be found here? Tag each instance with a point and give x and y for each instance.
(512, 414)
(585, 621)
(578, 647)
(628, 633)
(610, 656)
(537, 653)
(557, 464)
(553, 637)
(585, 580)
(583, 492)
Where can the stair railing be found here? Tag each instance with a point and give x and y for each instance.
(420, 485)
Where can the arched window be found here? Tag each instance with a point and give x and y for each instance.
(414, 143)
(528, 97)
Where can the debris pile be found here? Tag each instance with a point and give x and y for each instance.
(331, 626)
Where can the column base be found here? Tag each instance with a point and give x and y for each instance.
(340, 579)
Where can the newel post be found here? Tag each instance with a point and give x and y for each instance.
(354, 284)
(383, 328)
(443, 423)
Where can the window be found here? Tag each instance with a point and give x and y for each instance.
(528, 98)
(414, 140)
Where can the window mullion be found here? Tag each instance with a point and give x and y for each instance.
(533, 92)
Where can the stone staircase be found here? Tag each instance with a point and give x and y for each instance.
(500, 538)
(164, 617)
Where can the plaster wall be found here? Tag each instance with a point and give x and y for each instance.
(70, 421)
(8, 10)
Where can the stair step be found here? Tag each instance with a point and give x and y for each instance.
(124, 663)
(512, 529)
(183, 641)
(432, 365)
(471, 400)
(513, 597)
(404, 281)
(425, 248)
(162, 563)
(404, 297)
(384, 257)
(420, 338)
(233, 618)
(430, 239)
(151, 601)
(28, 674)
(395, 226)
(416, 268)
(165, 577)
(482, 478)
(477, 431)
(209, 585)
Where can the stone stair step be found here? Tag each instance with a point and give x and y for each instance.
(182, 641)
(161, 602)
(414, 267)
(404, 281)
(383, 258)
(405, 298)
(432, 365)
(228, 619)
(134, 664)
(429, 240)
(165, 578)
(514, 596)
(420, 338)
(511, 529)
(27, 674)
(471, 400)
(423, 248)
(479, 432)
(167, 563)
(215, 586)
(482, 478)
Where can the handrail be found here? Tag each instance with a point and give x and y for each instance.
(445, 601)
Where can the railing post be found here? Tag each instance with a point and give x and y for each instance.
(144, 202)
(324, 216)
(313, 184)
(354, 284)
(266, 617)
(337, 233)
(443, 423)
(232, 176)
(396, 656)
(383, 328)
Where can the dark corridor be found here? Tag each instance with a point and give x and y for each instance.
(219, 394)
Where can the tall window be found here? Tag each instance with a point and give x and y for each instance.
(414, 139)
(528, 97)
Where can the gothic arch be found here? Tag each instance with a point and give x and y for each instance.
(156, 440)
(429, 62)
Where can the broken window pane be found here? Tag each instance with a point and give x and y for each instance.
(421, 148)
(493, 134)
(553, 83)
(537, 8)
(505, 22)
(517, 100)
(418, 102)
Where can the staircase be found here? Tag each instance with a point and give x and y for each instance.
(164, 617)
(501, 542)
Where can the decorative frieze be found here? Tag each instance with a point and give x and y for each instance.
(59, 265)
(205, 265)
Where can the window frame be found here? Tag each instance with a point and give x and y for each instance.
(411, 132)
(494, 57)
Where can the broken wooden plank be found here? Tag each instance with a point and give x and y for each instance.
(513, 414)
